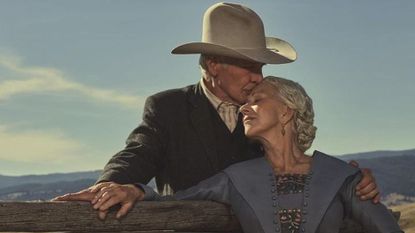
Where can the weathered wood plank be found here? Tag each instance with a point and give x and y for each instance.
(146, 216)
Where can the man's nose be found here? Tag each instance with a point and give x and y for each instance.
(256, 77)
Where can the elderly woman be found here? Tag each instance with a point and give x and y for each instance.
(287, 191)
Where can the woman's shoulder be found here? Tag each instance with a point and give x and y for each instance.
(331, 164)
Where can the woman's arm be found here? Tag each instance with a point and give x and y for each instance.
(215, 188)
(375, 218)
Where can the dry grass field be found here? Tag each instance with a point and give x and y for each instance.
(407, 220)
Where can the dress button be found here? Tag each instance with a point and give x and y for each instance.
(302, 229)
(305, 203)
(277, 229)
(304, 212)
(274, 198)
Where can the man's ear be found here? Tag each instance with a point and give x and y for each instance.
(212, 66)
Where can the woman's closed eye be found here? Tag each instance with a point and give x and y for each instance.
(256, 99)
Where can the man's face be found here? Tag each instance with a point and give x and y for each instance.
(236, 78)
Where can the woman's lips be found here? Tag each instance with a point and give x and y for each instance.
(247, 119)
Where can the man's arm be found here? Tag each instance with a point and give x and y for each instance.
(140, 161)
(142, 158)
(105, 195)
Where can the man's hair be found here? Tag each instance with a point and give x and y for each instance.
(295, 97)
(203, 66)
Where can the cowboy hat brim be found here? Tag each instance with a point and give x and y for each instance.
(277, 51)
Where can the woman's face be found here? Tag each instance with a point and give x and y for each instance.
(262, 112)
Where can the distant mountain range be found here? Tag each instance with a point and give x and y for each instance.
(376, 154)
(44, 187)
(393, 171)
(43, 192)
(7, 181)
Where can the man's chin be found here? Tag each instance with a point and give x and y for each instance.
(239, 101)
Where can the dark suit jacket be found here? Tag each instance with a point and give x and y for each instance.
(248, 187)
(175, 143)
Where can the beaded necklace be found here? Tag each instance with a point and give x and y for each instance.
(281, 214)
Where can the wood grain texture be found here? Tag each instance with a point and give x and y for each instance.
(145, 217)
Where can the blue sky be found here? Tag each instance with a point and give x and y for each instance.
(74, 74)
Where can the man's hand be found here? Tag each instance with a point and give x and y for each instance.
(105, 195)
(83, 195)
(367, 189)
(111, 194)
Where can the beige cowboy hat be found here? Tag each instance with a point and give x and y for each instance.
(234, 30)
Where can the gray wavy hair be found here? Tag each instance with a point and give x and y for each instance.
(296, 98)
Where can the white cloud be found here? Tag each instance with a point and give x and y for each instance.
(42, 79)
(45, 151)
(50, 146)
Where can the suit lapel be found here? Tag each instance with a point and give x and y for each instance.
(201, 120)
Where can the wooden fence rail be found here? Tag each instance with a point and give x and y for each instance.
(172, 216)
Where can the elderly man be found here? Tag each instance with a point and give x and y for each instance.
(190, 134)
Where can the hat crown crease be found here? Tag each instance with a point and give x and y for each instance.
(233, 26)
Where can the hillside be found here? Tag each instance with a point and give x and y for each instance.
(7, 181)
(393, 174)
(407, 219)
(376, 154)
(393, 171)
(37, 191)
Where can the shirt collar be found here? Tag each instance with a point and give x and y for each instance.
(213, 99)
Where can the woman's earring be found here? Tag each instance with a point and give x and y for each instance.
(283, 130)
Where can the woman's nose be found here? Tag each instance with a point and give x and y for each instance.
(244, 109)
